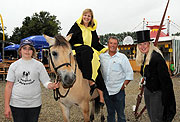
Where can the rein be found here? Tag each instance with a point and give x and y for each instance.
(57, 94)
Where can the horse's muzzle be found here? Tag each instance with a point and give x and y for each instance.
(68, 79)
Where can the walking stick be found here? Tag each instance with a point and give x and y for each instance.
(139, 97)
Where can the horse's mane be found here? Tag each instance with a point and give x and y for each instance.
(61, 41)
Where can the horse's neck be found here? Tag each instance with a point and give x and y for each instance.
(79, 77)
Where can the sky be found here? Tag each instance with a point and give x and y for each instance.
(113, 16)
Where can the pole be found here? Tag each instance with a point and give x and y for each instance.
(3, 37)
(168, 27)
(143, 23)
(160, 27)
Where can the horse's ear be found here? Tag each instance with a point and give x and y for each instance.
(69, 36)
(50, 40)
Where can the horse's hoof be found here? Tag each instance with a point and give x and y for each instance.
(91, 118)
(102, 118)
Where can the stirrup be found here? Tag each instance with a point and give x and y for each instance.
(92, 88)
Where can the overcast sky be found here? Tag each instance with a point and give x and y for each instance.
(113, 16)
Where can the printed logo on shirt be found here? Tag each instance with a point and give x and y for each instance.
(25, 79)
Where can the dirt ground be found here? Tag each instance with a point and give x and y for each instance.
(51, 112)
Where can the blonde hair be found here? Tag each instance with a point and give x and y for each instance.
(140, 55)
(33, 49)
(91, 23)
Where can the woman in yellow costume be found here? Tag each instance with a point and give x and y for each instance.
(86, 44)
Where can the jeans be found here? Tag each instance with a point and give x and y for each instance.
(115, 103)
(25, 114)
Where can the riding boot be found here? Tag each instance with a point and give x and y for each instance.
(93, 87)
(101, 104)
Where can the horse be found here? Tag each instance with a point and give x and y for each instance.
(73, 86)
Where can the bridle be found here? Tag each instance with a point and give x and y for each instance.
(56, 92)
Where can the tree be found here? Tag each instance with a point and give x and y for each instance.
(120, 36)
(1, 33)
(6, 42)
(176, 34)
(38, 24)
(16, 37)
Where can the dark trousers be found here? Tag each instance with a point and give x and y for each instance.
(25, 114)
(84, 56)
(154, 105)
(115, 103)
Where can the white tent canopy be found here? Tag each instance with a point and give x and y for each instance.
(176, 53)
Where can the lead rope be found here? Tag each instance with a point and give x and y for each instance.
(58, 95)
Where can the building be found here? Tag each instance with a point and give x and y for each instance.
(165, 44)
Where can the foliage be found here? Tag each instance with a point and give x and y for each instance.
(120, 36)
(176, 34)
(1, 33)
(38, 24)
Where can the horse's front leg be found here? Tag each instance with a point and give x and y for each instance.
(85, 110)
(102, 113)
(92, 109)
(65, 111)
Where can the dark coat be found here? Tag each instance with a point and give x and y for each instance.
(77, 37)
(158, 78)
(84, 53)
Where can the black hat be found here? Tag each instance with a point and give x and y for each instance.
(143, 36)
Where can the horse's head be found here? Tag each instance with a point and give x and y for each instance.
(62, 60)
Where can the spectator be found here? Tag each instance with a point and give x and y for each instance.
(23, 91)
(158, 90)
(117, 73)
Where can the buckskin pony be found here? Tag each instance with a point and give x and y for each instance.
(74, 89)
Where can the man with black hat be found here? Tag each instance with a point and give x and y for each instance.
(158, 93)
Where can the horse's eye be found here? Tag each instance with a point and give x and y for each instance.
(54, 53)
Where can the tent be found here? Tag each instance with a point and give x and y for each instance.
(11, 51)
(12, 47)
(38, 40)
(176, 54)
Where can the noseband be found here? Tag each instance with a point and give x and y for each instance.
(57, 94)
